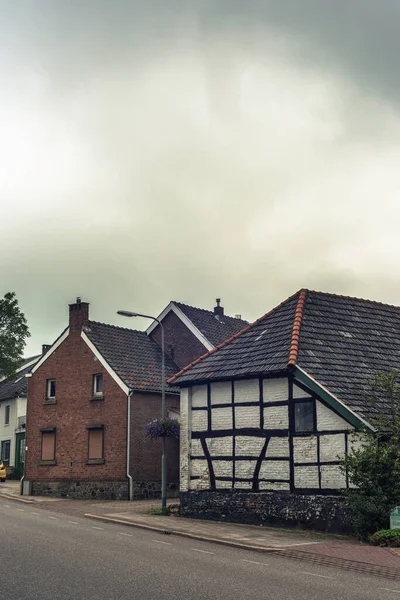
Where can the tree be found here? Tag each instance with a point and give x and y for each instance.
(13, 333)
(374, 466)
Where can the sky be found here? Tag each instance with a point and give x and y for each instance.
(188, 150)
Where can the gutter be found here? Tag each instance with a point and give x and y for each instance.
(128, 446)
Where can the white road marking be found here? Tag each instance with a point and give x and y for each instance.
(35, 513)
(127, 534)
(73, 522)
(161, 542)
(203, 551)
(54, 518)
(21, 509)
(7, 505)
(389, 590)
(315, 575)
(101, 528)
(254, 562)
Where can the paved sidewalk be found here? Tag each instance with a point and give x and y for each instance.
(317, 547)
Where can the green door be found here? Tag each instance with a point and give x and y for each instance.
(20, 454)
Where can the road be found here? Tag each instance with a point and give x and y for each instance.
(50, 556)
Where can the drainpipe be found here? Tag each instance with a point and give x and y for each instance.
(128, 447)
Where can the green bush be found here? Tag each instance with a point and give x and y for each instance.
(386, 537)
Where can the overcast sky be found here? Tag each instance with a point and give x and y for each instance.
(185, 150)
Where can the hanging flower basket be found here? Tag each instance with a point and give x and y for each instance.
(158, 428)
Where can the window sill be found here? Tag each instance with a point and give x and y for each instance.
(95, 461)
(50, 401)
(97, 397)
(47, 463)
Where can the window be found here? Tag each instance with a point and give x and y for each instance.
(51, 389)
(48, 455)
(98, 385)
(304, 416)
(7, 415)
(5, 452)
(95, 444)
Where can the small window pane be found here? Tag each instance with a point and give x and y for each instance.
(5, 452)
(7, 416)
(48, 445)
(95, 443)
(304, 416)
(51, 388)
(98, 384)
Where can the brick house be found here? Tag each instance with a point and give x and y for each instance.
(96, 388)
(267, 415)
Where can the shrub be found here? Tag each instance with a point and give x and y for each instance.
(374, 467)
(386, 537)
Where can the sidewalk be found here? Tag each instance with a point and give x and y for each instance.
(317, 547)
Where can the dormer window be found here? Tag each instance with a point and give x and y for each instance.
(51, 390)
(98, 386)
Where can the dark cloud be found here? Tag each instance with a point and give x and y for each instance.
(180, 150)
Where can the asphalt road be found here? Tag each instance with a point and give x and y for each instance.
(50, 556)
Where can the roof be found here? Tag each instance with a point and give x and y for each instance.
(134, 356)
(340, 341)
(16, 387)
(215, 330)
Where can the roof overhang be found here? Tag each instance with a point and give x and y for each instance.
(340, 407)
(185, 320)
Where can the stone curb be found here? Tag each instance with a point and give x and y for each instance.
(16, 498)
(350, 565)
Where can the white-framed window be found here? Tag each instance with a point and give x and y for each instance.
(51, 389)
(7, 415)
(97, 385)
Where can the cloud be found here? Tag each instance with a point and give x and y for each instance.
(160, 152)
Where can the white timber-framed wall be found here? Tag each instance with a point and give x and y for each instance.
(241, 435)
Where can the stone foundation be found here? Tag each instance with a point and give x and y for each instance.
(152, 489)
(325, 513)
(94, 490)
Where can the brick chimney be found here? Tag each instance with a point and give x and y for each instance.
(218, 310)
(78, 315)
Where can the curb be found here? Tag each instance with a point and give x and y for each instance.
(16, 498)
(350, 565)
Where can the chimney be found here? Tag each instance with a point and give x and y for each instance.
(45, 348)
(78, 315)
(218, 310)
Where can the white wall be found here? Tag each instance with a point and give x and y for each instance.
(246, 447)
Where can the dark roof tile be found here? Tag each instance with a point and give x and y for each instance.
(215, 330)
(134, 356)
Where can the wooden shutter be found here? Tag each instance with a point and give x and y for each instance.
(95, 443)
(48, 445)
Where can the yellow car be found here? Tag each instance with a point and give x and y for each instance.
(3, 472)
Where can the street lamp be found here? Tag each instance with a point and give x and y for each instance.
(127, 313)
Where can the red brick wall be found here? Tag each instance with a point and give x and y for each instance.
(73, 365)
(145, 453)
(186, 347)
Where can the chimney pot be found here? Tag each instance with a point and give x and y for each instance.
(45, 348)
(218, 310)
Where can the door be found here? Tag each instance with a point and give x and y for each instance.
(20, 454)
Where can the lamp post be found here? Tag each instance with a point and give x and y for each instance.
(127, 313)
